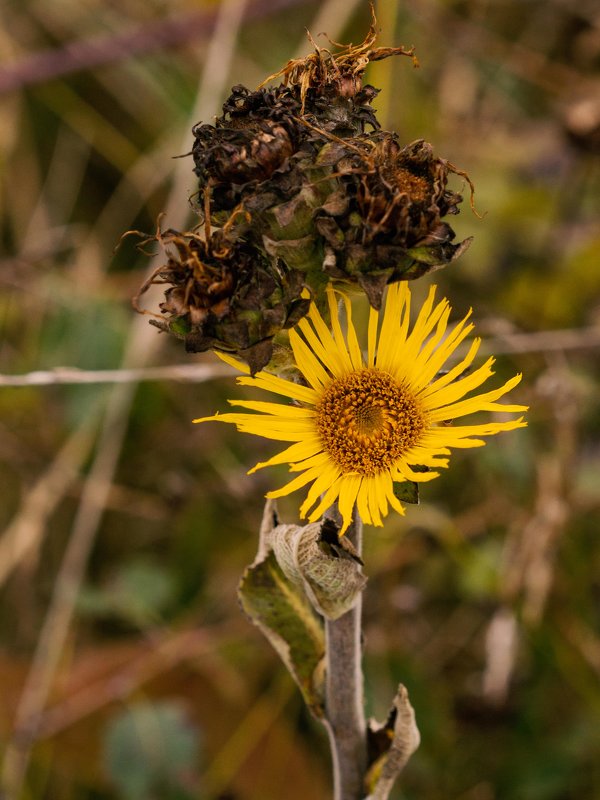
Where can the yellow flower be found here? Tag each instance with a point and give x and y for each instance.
(360, 425)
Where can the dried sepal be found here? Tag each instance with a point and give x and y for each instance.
(342, 71)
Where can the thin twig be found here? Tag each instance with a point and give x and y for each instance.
(344, 703)
(149, 661)
(521, 343)
(192, 373)
(544, 341)
(22, 537)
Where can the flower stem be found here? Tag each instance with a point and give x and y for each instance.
(344, 704)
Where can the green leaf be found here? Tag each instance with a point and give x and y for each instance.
(287, 619)
(151, 750)
(407, 492)
(139, 592)
(304, 253)
(180, 326)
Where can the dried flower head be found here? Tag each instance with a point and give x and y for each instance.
(321, 188)
(222, 295)
(339, 74)
(304, 188)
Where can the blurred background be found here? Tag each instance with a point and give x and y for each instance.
(127, 669)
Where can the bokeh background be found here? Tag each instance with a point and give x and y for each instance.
(127, 669)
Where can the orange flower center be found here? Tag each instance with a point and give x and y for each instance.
(367, 421)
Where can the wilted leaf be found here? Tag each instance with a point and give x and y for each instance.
(323, 566)
(390, 746)
(286, 618)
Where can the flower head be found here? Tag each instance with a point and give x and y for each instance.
(361, 425)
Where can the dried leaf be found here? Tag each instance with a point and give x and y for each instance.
(286, 618)
(390, 746)
(316, 560)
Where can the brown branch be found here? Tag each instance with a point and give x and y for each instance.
(519, 343)
(158, 657)
(22, 538)
(194, 373)
(544, 341)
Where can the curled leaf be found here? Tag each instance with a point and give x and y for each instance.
(324, 566)
(390, 746)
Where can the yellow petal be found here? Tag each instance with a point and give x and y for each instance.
(362, 502)
(267, 427)
(295, 452)
(326, 351)
(324, 334)
(276, 409)
(394, 326)
(276, 385)
(404, 473)
(372, 336)
(435, 364)
(329, 497)
(307, 362)
(482, 402)
(453, 392)
(349, 488)
(373, 500)
(353, 346)
(329, 477)
(426, 319)
(428, 369)
(234, 362)
(337, 329)
(297, 483)
(449, 436)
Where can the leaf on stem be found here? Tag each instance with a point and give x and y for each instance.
(325, 566)
(390, 746)
(301, 574)
(288, 621)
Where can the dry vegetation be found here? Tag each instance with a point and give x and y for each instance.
(125, 529)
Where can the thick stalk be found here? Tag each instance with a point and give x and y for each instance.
(344, 704)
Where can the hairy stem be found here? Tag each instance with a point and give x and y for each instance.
(344, 706)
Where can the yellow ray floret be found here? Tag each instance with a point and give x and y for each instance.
(359, 426)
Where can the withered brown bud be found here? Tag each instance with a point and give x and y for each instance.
(261, 136)
(302, 188)
(321, 188)
(223, 295)
(253, 137)
(387, 222)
